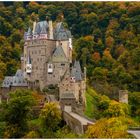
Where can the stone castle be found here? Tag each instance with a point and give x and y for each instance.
(47, 60)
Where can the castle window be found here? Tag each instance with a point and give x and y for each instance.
(62, 64)
(50, 68)
(39, 51)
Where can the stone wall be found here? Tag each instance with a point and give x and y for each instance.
(123, 96)
(40, 52)
(59, 70)
(77, 123)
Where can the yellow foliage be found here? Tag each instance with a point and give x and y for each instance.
(88, 38)
(108, 128)
(31, 134)
(117, 109)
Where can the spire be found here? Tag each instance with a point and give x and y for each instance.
(43, 30)
(76, 71)
(29, 60)
(77, 66)
(29, 32)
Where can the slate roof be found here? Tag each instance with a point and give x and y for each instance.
(7, 81)
(59, 55)
(76, 71)
(60, 33)
(17, 80)
(29, 59)
(41, 26)
(29, 32)
(67, 96)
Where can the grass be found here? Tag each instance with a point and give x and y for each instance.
(91, 103)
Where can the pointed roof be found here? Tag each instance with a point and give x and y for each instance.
(59, 55)
(76, 71)
(41, 26)
(29, 59)
(29, 32)
(60, 33)
(59, 26)
(43, 30)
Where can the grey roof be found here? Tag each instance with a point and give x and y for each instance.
(29, 59)
(29, 32)
(43, 30)
(59, 55)
(17, 80)
(7, 81)
(41, 26)
(76, 71)
(60, 33)
(67, 96)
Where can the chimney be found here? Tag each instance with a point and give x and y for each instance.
(34, 25)
(50, 30)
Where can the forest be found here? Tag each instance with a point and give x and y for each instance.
(106, 40)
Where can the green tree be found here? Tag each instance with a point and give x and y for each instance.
(134, 100)
(18, 111)
(50, 117)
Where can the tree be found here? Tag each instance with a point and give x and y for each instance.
(115, 127)
(100, 74)
(117, 109)
(31, 135)
(50, 117)
(96, 57)
(134, 100)
(18, 111)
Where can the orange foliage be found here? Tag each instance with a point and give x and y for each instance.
(88, 38)
(37, 96)
(2, 39)
(109, 41)
(107, 53)
(96, 57)
(113, 23)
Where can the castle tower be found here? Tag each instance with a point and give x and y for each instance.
(123, 96)
(28, 35)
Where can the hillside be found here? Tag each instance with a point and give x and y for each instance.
(106, 39)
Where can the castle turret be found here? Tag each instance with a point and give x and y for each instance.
(50, 30)
(43, 33)
(28, 34)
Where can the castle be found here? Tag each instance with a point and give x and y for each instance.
(47, 60)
